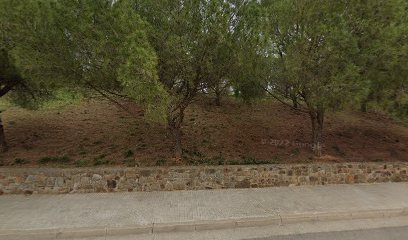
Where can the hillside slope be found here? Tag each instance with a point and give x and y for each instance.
(95, 132)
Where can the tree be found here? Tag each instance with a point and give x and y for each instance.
(313, 52)
(381, 30)
(194, 41)
(222, 23)
(22, 91)
(9, 79)
(181, 47)
(97, 45)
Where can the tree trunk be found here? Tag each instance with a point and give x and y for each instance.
(294, 101)
(317, 118)
(287, 95)
(176, 137)
(364, 104)
(217, 98)
(3, 143)
(363, 107)
(174, 121)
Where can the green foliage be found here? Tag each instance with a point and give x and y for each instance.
(321, 55)
(253, 161)
(54, 159)
(82, 163)
(203, 160)
(194, 153)
(176, 38)
(197, 44)
(324, 55)
(61, 98)
(296, 151)
(101, 156)
(130, 162)
(219, 160)
(20, 161)
(314, 51)
(129, 153)
(16, 17)
(78, 45)
(100, 160)
(248, 90)
(381, 30)
(10, 79)
(161, 162)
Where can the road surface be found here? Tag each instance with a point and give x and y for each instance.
(397, 233)
(363, 229)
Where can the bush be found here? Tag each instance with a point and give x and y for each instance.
(129, 153)
(56, 159)
(100, 160)
(131, 162)
(82, 163)
(20, 161)
(161, 162)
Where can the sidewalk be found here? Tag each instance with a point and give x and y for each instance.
(109, 214)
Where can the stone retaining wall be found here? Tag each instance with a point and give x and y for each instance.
(112, 179)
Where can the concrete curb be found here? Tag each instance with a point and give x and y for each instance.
(277, 220)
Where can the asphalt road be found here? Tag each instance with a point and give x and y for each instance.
(394, 233)
(333, 232)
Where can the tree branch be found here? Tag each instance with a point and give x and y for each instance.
(105, 95)
(283, 102)
(6, 89)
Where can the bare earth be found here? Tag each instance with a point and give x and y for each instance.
(96, 132)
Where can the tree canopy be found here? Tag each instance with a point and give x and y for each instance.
(98, 45)
(313, 55)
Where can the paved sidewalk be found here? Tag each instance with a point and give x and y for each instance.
(121, 213)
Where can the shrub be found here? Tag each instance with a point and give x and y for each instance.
(20, 161)
(100, 160)
(161, 162)
(82, 163)
(131, 162)
(56, 159)
(129, 153)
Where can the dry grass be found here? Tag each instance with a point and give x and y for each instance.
(96, 132)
